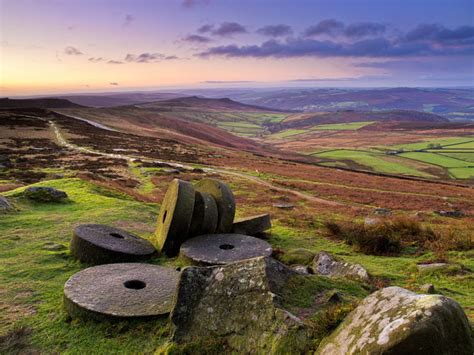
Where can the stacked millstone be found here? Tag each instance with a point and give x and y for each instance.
(198, 221)
(118, 286)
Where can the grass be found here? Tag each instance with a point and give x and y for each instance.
(435, 159)
(32, 279)
(467, 145)
(375, 161)
(342, 126)
(450, 141)
(462, 173)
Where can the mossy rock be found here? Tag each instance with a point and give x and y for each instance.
(44, 194)
(298, 256)
(397, 321)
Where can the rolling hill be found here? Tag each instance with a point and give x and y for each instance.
(6, 103)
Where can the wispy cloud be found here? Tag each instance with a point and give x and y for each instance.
(227, 81)
(127, 21)
(192, 3)
(275, 30)
(324, 27)
(114, 62)
(229, 29)
(72, 51)
(95, 59)
(114, 83)
(197, 39)
(148, 58)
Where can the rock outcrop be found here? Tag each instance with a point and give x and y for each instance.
(44, 194)
(397, 321)
(326, 264)
(238, 303)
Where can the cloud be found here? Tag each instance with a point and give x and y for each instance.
(193, 3)
(148, 58)
(197, 39)
(205, 28)
(113, 83)
(304, 47)
(324, 27)
(440, 34)
(114, 62)
(127, 21)
(228, 29)
(227, 81)
(275, 30)
(71, 28)
(95, 59)
(72, 51)
(363, 29)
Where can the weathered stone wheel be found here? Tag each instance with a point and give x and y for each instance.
(175, 217)
(119, 291)
(100, 244)
(252, 225)
(205, 215)
(219, 249)
(225, 200)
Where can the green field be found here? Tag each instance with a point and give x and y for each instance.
(375, 161)
(435, 159)
(287, 133)
(466, 156)
(450, 141)
(467, 145)
(342, 126)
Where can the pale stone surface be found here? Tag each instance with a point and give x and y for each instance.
(397, 321)
(326, 264)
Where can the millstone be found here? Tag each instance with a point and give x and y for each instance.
(252, 225)
(205, 215)
(225, 202)
(219, 249)
(116, 291)
(175, 217)
(99, 244)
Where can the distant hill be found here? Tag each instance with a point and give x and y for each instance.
(457, 104)
(6, 103)
(120, 99)
(209, 104)
(307, 119)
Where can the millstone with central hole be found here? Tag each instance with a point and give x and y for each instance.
(218, 249)
(205, 215)
(117, 291)
(175, 216)
(100, 244)
(225, 200)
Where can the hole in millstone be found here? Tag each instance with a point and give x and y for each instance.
(116, 235)
(134, 284)
(164, 216)
(226, 246)
(178, 269)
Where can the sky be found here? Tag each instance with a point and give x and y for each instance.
(61, 46)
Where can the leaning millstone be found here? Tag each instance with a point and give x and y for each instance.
(175, 217)
(5, 205)
(219, 249)
(326, 264)
(99, 244)
(397, 321)
(44, 194)
(205, 215)
(252, 225)
(238, 304)
(117, 291)
(225, 200)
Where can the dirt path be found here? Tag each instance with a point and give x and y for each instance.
(63, 142)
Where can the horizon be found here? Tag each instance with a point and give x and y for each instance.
(72, 47)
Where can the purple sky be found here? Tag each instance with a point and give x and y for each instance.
(85, 45)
